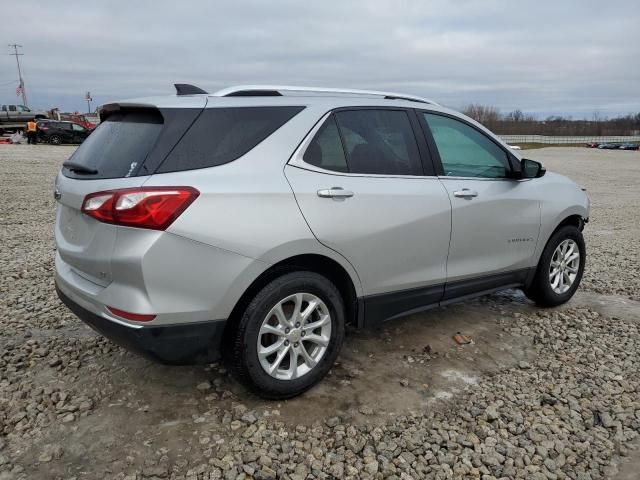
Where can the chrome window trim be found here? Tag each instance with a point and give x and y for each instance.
(297, 159)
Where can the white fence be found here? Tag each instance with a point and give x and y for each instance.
(515, 139)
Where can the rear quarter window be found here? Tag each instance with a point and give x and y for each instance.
(221, 135)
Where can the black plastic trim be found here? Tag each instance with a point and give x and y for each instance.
(172, 344)
(462, 288)
(186, 89)
(255, 93)
(373, 310)
(429, 166)
(409, 99)
(385, 306)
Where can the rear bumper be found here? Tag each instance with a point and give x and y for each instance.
(190, 343)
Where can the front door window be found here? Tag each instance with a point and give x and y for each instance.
(465, 151)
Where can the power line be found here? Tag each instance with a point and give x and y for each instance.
(15, 47)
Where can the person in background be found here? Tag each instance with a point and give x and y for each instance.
(32, 132)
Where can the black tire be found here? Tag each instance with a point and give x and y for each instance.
(242, 356)
(55, 140)
(540, 290)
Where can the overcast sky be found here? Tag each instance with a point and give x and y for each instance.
(561, 57)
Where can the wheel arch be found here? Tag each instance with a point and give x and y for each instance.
(317, 263)
(574, 219)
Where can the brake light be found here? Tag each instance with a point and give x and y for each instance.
(144, 207)
(136, 317)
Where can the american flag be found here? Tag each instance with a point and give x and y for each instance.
(19, 90)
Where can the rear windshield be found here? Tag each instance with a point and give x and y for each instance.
(119, 145)
(221, 135)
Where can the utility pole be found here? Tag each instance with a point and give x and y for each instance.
(88, 98)
(15, 47)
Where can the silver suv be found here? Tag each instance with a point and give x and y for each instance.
(253, 224)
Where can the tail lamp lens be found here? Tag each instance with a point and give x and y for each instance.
(145, 207)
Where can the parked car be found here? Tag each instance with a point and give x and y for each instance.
(18, 113)
(629, 146)
(59, 132)
(608, 146)
(592, 145)
(77, 118)
(253, 224)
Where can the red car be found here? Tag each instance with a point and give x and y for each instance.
(78, 118)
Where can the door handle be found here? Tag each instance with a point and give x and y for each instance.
(465, 193)
(335, 192)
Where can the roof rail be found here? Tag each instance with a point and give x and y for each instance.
(279, 90)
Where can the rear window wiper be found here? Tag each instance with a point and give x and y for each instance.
(79, 168)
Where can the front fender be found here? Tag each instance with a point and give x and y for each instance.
(561, 198)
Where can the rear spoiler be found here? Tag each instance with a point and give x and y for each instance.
(108, 109)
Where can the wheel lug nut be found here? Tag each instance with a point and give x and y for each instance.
(286, 343)
(295, 344)
(302, 334)
(287, 330)
(297, 324)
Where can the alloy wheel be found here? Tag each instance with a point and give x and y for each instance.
(565, 263)
(294, 336)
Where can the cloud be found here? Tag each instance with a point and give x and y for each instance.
(572, 57)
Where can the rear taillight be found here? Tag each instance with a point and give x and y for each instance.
(143, 207)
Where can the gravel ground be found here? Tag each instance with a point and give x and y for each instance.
(541, 394)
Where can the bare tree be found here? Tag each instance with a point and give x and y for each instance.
(519, 123)
(485, 114)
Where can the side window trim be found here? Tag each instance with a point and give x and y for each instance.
(429, 164)
(345, 152)
(427, 161)
(434, 149)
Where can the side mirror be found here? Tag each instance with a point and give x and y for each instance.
(532, 169)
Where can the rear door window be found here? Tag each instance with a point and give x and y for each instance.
(379, 142)
(221, 135)
(119, 145)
